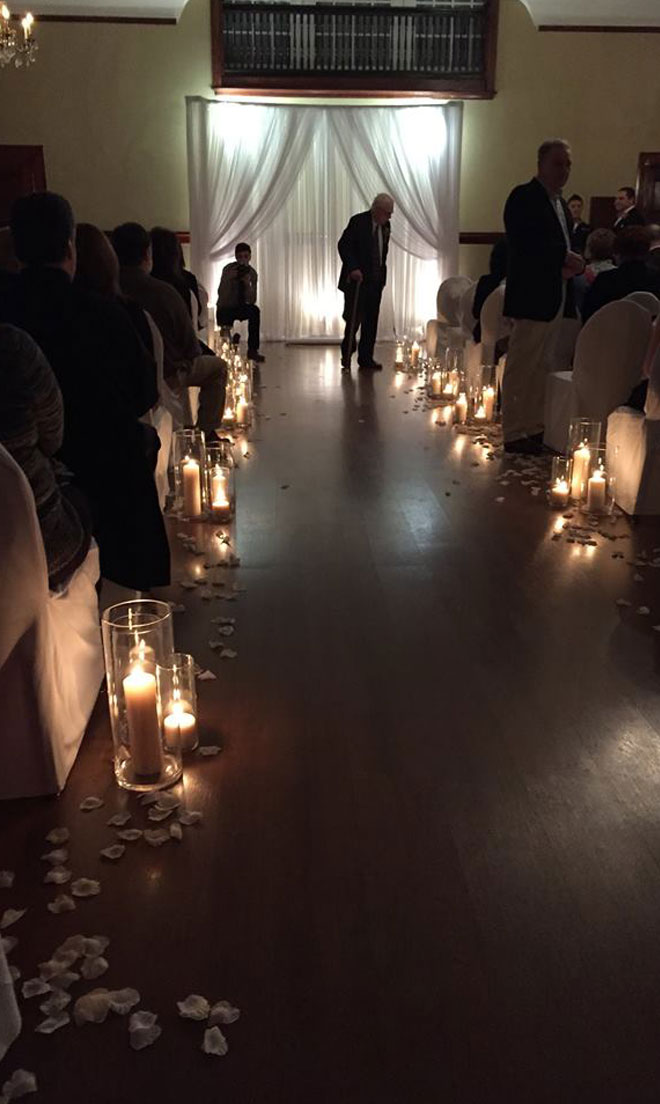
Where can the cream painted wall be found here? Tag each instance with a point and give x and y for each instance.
(107, 103)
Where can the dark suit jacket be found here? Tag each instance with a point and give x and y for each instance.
(617, 283)
(579, 231)
(633, 217)
(356, 250)
(537, 250)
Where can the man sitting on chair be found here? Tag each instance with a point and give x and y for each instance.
(237, 298)
(363, 250)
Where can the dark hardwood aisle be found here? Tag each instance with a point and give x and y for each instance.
(428, 868)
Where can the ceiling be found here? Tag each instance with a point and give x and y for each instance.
(595, 13)
(143, 10)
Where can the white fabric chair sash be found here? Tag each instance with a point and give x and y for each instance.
(51, 663)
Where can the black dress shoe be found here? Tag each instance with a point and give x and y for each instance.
(524, 446)
(372, 367)
(256, 357)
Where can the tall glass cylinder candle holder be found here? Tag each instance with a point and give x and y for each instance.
(583, 442)
(137, 637)
(598, 488)
(177, 703)
(189, 464)
(220, 482)
(559, 491)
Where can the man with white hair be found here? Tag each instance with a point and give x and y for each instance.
(363, 250)
(539, 292)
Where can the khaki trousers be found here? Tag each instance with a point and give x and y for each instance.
(209, 373)
(529, 359)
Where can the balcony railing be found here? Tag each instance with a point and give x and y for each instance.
(447, 47)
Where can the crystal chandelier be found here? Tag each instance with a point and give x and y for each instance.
(14, 47)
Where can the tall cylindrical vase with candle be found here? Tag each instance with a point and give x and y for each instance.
(137, 637)
(559, 491)
(189, 458)
(220, 481)
(598, 486)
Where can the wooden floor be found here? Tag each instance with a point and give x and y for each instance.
(429, 866)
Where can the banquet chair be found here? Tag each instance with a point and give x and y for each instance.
(10, 1017)
(647, 300)
(51, 662)
(494, 327)
(445, 328)
(633, 452)
(168, 414)
(609, 354)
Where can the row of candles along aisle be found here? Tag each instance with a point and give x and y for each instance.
(151, 695)
(445, 382)
(204, 483)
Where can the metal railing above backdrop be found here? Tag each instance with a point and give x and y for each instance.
(447, 47)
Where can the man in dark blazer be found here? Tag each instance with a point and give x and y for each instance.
(580, 230)
(631, 253)
(627, 213)
(363, 250)
(538, 292)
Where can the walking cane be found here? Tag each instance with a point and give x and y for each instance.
(353, 326)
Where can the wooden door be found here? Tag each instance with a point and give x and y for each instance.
(648, 186)
(22, 171)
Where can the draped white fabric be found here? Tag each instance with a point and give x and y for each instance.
(286, 179)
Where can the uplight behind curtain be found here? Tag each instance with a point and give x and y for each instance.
(286, 179)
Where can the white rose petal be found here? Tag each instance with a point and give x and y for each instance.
(6, 879)
(63, 903)
(223, 1013)
(65, 980)
(85, 887)
(194, 1007)
(57, 875)
(10, 916)
(157, 837)
(74, 944)
(35, 987)
(19, 1084)
(168, 801)
(189, 817)
(114, 852)
(118, 820)
(55, 1003)
(90, 803)
(130, 834)
(8, 943)
(52, 1023)
(56, 858)
(122, 1000)
(208, 750)
(95, 945)
(155, 814)
(176, 832)
(93, 1007)
(215, 1042)
(58, 835)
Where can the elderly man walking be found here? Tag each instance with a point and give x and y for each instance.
(539, 292)
(363, 250)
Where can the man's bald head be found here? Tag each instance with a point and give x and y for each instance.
(382, 208)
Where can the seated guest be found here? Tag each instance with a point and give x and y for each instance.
(31, 429)
(97, 270)
(626, 210)
(631, 274)
(579, 230)
(237, 298)
(168, 264)
(490, 281)
(184, 364)
(599, 253)
(85, 339)
(653, 259)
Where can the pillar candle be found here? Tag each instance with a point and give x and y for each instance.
(142, 719)
(559, 494)
(480, 413)
(180, 727)
(597, 491)
(192, 488)
(489, 402)
(581, 461)
(461, 408)
(241, 412)
(398, 359)
(414, 355)
(435, 384)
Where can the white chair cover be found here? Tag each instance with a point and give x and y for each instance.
(449, 298)
(633, 452)
(167, 415)
(10, 1017)
(494, 326)
(467, 321)
(51, 662)
(647, 300)
(608, 362)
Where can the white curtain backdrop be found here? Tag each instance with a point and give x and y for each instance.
(286, 179)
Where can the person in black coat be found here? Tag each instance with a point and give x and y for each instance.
(627, 213)
(489, 282)
(538, 292)
(631, 251)
(97, 360)
(580, 230)
(363, 249)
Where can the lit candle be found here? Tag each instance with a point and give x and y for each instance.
(414, 354)
(142, 653)
(219, 500)
(241, 412)
(480, 413)
(192, 488)
(448, 389)
(462, 408)
(229, 417)
(597, 491)
(180, 727)
(489, 403)
(436, 381)
(581, 461)
(26, 24)
(142, 719)
(559, 494)
(398, 359)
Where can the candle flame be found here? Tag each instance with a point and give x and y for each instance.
(4, 11)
